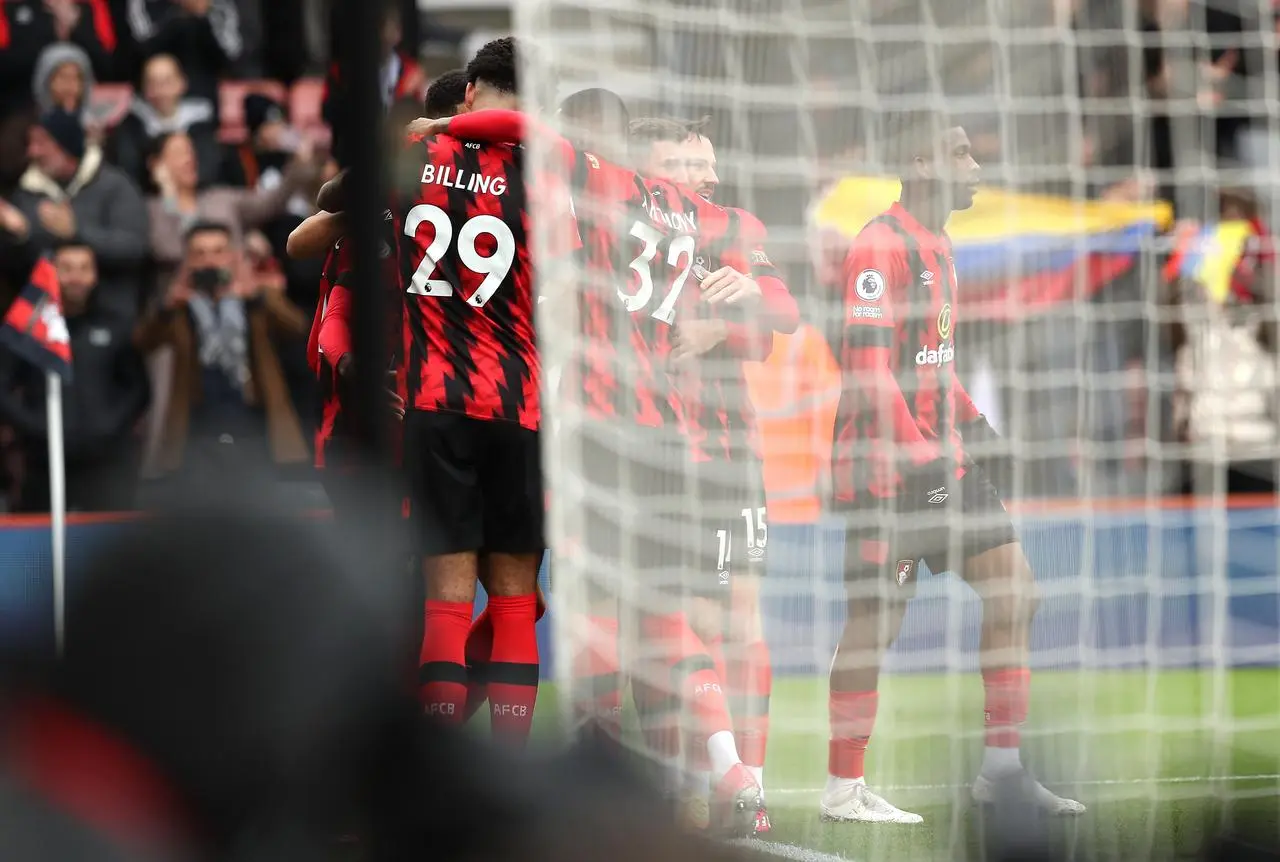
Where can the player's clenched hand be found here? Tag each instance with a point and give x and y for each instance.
(729, 286)
(697, 337)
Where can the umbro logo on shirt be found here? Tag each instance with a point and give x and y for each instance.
(926, 277)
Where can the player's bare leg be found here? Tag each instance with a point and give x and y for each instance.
(511, 675)
(442, 671)
(874, 618)
(479, 652)
(1002, 577)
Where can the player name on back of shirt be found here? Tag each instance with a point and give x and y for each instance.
(674, 221)
(467, 181)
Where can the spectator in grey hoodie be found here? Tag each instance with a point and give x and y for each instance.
(69, 191)
(163, 108)
(63, 78)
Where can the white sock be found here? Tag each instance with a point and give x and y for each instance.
(1000, 761)
(758, 773)
(835, 782)
(722, 750)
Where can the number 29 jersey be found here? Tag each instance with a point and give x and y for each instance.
(469, 345)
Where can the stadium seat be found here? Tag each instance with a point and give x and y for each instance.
(231, 101)
(108, 103)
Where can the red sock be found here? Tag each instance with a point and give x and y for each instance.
(597, 678)
(513, 667)
(715, 651)
(691, 671)
(442, 670)
(1007, 693)
(479, 654)
(750, 681)
(853, 715)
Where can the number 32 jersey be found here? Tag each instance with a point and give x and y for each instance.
(469, 343)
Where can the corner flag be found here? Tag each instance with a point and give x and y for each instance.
(34, 327)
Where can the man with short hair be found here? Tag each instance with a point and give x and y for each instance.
(101, 402)
(906, 474)
(69, 192)
(230, 410)
(447, 95)
(473, 415)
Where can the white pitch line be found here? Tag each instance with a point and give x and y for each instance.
(793, 852)
(1090, 782)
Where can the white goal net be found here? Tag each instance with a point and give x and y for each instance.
(1115, 322)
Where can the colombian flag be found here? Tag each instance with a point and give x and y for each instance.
(1017, 252)
(34, 327)
(1212, 254)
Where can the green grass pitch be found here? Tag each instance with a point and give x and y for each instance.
(1163, 760)
(1160, 758)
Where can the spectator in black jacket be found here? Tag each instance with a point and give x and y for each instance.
(163, 107)
(27, 27)
(203, 34)
(100, 404)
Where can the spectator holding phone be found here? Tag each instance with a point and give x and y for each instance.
(229, 409)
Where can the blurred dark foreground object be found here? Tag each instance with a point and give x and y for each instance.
(225, 670)
(231, 692)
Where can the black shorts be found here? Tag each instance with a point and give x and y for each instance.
(729, 518)
(883, 543)
(634, 503)
(474, 484)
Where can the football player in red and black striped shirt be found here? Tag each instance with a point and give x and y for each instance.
(730, 323)
(639, 249)
(904, 472)
(473, 415)
(329, 345)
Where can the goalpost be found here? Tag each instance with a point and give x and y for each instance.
(1115, 321)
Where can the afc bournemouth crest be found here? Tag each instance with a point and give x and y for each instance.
(906, 569)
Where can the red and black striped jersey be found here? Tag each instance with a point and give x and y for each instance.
(469, 343)
(721, 422)
(331, 332)
(617, 366)
(900, 394)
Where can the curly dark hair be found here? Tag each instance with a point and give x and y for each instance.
(496, 65)
(446, 93)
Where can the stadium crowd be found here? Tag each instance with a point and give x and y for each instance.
(125, 124)
(151, 115)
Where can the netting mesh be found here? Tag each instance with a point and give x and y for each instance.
(1114, 321)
